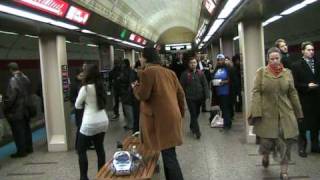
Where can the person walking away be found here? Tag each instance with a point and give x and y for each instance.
(161, 111)
(95, 121)
(275, 109)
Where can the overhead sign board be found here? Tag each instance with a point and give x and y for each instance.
(54, 7)
(78, 15)
(137, 39)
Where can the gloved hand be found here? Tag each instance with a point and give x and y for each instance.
(300, 120)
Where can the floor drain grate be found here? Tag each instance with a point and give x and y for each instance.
(40, 163)
(290, 177)
(277, 164)
(26, 174)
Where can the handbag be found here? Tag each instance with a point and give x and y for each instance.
(217, 121)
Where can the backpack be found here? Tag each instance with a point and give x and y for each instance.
(29, 102)
(30, 106)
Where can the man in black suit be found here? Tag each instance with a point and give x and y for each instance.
(306, 72)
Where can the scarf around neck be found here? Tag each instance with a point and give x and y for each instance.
(275, 69)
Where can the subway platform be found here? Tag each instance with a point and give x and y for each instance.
(218, 155)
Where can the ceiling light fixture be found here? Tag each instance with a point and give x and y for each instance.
(31, 36)
(293, 9)
(32, 16)
(92, 45)
(7, 32)
(87, 31)
(228, 8)
(270, 20)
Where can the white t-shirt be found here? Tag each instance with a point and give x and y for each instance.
(94, 121)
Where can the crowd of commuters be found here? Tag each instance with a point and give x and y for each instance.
(285, 96)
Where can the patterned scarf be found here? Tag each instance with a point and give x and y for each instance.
(275, 69)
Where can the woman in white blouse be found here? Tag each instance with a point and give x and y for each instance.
(95, 120)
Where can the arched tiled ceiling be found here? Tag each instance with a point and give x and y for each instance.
(149, 18)
(160, 14)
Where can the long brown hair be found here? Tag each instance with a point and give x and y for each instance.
(92, 76)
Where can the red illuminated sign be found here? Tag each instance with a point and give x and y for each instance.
(55, 7)
(78, 15)
(137, 39)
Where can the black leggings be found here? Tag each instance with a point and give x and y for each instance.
(82, 146)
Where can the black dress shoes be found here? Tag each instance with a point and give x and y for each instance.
(302, 153)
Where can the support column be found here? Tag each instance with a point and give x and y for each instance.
(106, 52)
(226, 46)
(129, 54)
(54, 72)
(133, 57)
(252, 51)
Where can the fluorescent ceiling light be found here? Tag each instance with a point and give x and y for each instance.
(28, 15)
(180, 44)
(308, 2)
(293, 9)
(87, 31)
(236, 38)
(64, 25)
(228, 8)
(206, 39)
(7, 32)
(216, 25)
(92, 45)
(270, 20)
(68, 42)
(35, 37)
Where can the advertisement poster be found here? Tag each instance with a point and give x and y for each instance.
(65, 82)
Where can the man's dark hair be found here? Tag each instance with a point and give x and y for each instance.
(13, 66)
(278, 41)
(151, 55)
(305, 44)
(188, 56)
(126, 62)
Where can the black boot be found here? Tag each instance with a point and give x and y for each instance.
(302, 145)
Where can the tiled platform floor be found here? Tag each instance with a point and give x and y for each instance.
(217, 156)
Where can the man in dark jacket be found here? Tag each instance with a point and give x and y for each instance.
(127, 76)
(306, 73)
(196, 90)
(114, 84)
(17, 95)
(285, 57)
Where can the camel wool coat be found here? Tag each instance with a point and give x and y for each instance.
(276, 100)
(161, 108)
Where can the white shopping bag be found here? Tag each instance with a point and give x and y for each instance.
(217, 121)
(216, 82)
